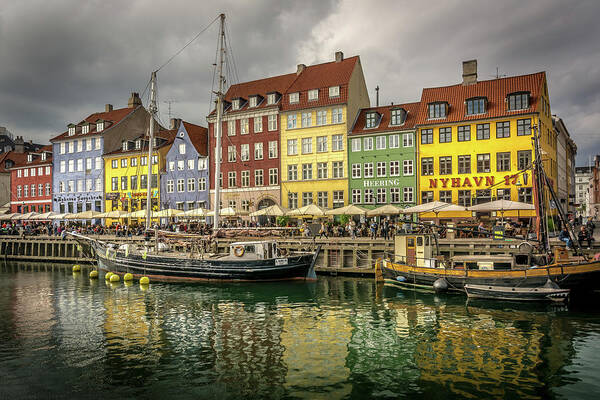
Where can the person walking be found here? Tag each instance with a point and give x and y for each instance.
(323, 230)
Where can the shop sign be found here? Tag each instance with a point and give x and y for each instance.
(111, 196)
(476, 181)
(382, 183)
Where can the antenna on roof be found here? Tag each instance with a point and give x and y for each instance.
(169, 103)
(498, 76)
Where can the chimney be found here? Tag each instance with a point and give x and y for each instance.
(377, 96)
(339, 56)
(301, 67)
(19, 145)
(134, 100)
(175, 123)
(108, 107)
(469, 72)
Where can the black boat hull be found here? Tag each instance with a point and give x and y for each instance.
(517, 293)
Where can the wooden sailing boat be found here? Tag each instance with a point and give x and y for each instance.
(416, 264)
(245, 261)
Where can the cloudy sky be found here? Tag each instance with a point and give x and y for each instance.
(61, 60)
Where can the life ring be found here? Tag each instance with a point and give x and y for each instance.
(238, 251)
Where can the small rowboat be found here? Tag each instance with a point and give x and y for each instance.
(517, 293)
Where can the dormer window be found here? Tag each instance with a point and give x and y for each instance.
(518, 101)
(294, 97)
(44, 156)
(125, 146)
(334, 91)
(138, 144)
(29, 157)
(236, 104)
(85, 129)
(398, 116)
(476, 105)
(438, 110)
(271, 98)
(155, 142)
(371, 120)
(100, 126)
(71, 130)
(253, 101)
(313, 94)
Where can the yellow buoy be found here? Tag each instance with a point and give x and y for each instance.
(114, 278)
(76, 268)
(108, 275)
(94, 274)
(144, 280)
(128, 277)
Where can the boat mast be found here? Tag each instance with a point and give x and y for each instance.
(152, 109)
(218, 127)
(538, 192)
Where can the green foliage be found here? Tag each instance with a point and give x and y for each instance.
(550, 224)
(344, 219)
(283, 220)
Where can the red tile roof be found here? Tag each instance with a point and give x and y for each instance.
(384, 124)
(199, 137)
(322, 77)
(20, 159)
(169, 135)
(496, 91)
(16, 158)
(113, 117)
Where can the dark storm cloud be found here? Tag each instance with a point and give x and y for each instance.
(62, 60)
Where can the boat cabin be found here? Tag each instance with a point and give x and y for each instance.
(415, 249)
(258, 250)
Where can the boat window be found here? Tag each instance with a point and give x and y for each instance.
(249, 248)
(522, 259)
(420, 241)
(502, 265)
(472, 265)
(410, 242)
(426, 240)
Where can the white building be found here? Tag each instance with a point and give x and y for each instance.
(583, 177)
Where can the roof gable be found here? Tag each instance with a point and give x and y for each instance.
(385, 112)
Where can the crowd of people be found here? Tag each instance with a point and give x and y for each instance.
(584, 232)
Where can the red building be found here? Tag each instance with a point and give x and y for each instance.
(250, 142)
(31, 181)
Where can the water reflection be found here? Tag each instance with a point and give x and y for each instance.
(337, 338)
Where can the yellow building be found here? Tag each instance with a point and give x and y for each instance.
(476, 137)
(318, 109)
(125, 174)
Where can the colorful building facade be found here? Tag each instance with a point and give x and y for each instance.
(476, 137)
(318, 111)
(250, 144)
(31, 181)
(382, 156)
(126, 170)
(184, 186)
(78, 173)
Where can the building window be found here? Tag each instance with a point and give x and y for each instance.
(98, 184)
(201, 184)
(191, 184)
(230, 128)
(395, 195)
(114, 164)
(322, 170)
(245, 178)
(170, 185)
(133, 182)
(407, 140)
(202, 163)
(271, 98)
(144, 160)
(407, 168)
(395, 168)
(292, 147)
(369, 196)
(321, 144)
(368, 143)
(337, 142)
(306, 120)
(181, 148)
(483, 196)
(503, 194)
(446, 196)
(123, 163)
(180, 165)
(322, 117)
(258, 177)
(368, 170)
(291, 121)
(306, 145)
(503, 129)
(426, 197)
(230, 154)
(371, 120)
(293, 200)
(427, 166)
(306, 171)
(524, 127)
(483, 163)
(446, 165)
(476, 106)
(356, 144)
(114, 184)
(334, 91)
(253, 101)
(464, 164)
(445, 135)
(294, 97)
(292, 172)
(98, 163)
(273, 176)
(307, 198)
(144, 182)
(356, 196)
(338, 169)
(338, 198)
(337, 116)
(524, 159)
(47, 189)
(426, 136)
(123, 183)
(258, 151)
(232, 179)
(526, 195)
(244, 128)
(313, 94)
(273, 149)
(180, 185)
(380, 143)
(518, 101)
(503, 162)
(437, 110)
(464, 198)
(398, 117)
(258, 124)
(356, 171)
(190, 164)
(464, 133)
(272, 122)
(381, 168)
(407, 194)
(235, 105)
(322, 200)
(483, 131)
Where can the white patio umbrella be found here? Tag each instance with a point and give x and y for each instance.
(137, 214)
(5, 217)
(89, 214)
(167, 213)
(195, 213)
(24, 216)
(59, 216)
(224, 212)
(501, 205)
(311, 209)
(275, 211)
(112, 214)
(350, 209)
(386, 209)
(44, 216)
(432, 206)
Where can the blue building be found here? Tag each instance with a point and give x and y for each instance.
(185, 183)
(78, 167)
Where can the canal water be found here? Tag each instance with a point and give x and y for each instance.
(63, 336)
